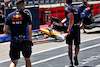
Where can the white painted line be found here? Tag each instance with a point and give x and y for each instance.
(5, 61)
(62, 46)
(58, 56)
(97, 66)
(46, 50)
(66, 66)
(90, 39)
(39, 52)
(5, 43)
(49, 49)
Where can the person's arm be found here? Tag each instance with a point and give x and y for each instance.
(30, 32)
(6, 26)
(29, 28)
(91, 17)
(82, 24)
(6, 30)
(71, 21)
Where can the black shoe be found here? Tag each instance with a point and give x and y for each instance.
(76, 61)
(71, 65)
(84, 32)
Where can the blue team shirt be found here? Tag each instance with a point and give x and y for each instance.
(18, 22)
(86, 12)
(68, 9)
(81, 7)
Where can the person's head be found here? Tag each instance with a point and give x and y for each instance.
(69, 1)
(20, 4)
(85, 2)
(91, 6)
(6, 1)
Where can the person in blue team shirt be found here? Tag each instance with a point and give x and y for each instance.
(81, 7)
(19, 28)
(86, 17)
(73, 30)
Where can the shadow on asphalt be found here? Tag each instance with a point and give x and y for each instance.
(47, 41)
(93, 32)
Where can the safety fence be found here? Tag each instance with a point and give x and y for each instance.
(40, 2)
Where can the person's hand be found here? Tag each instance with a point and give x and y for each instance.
(31, 43)
(81, 25)
(68, 31)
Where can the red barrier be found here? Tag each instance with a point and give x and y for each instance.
(56, 12)
(53, 10)
(60, 9)
(60, 14)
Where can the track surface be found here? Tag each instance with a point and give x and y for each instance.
(54, 54)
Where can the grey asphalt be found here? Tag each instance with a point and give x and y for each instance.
(88, 57)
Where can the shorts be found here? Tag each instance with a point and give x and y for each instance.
(15, 49)
(77, 18)
(86, 20)
(80, 18)
(74, 36)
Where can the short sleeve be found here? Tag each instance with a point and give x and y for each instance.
(7, 21)
(29, 20)
(69, 9)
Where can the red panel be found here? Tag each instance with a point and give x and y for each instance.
(61, 15)
(88, 5)
(40, 10)
(95, 6)
(53, 10)
(53, 14)
(96, 11)
(40, 16)
(60, 9)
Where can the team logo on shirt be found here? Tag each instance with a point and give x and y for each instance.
(17, 17)
(67, 10)
(17, 22)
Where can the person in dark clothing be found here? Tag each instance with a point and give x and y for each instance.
(73, 30)
(80, 9)
(19, 28)
(87, 17)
